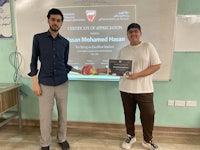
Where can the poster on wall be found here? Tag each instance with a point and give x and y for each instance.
(5, 19)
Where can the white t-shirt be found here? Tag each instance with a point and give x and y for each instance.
(142, 55)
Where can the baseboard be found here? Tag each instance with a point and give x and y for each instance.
(110, 126)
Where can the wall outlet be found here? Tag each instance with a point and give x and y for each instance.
(191, 103)
(170, 102)
(179, 103)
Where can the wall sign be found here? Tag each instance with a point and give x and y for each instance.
(5, 19)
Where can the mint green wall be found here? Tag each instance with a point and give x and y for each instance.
(188, 7)
(92, 101)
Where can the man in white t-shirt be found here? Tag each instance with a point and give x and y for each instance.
(137, 88)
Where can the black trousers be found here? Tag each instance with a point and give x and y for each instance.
(147, 112)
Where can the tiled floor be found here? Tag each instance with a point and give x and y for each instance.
(95, 138)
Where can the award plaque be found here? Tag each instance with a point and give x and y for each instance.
(120, 67)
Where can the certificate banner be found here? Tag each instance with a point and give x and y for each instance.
(96, 33)
(120, 67)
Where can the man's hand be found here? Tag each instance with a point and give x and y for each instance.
(150, 70)
(36, 87)
(133, 76)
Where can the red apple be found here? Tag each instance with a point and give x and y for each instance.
(89, 70)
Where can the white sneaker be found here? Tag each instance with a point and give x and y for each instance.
(150, 145)
(128, 142)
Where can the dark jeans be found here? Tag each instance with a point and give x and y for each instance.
(146, 107)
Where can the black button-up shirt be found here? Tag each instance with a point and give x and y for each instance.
(53, 55)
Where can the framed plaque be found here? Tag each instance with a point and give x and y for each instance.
(120, 67)
(5, 19)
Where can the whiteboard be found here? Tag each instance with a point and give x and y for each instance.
(157, 19)
(187, 33)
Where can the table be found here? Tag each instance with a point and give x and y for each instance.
(9, 98)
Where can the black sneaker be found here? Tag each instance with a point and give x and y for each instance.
(150, 145)
(64, 145)
(45, 148)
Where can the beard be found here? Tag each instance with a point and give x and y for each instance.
(54, 28)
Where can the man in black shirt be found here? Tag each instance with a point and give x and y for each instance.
(52, 50)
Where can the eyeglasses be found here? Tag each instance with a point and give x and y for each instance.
(133, 31)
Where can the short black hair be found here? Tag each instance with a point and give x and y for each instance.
(54, 11)
(134, 25)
